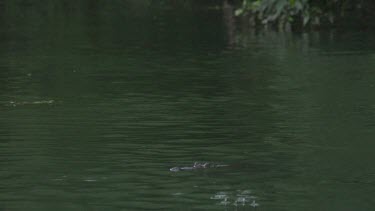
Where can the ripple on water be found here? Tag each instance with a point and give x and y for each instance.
(236, 198)
(38, 102)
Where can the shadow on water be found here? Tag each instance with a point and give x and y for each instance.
(99, 100)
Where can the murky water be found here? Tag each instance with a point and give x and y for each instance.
(99, 100)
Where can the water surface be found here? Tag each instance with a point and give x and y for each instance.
(99, 100)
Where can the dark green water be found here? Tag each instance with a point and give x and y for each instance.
(99, 100)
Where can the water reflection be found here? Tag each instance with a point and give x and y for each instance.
(239, 198)
(230, 22)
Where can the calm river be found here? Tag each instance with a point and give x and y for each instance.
(99, 99)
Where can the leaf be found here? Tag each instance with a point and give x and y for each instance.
(306, 19)
(280, 6)
(238, 12)
(298, 5)
(331, 18)
(316, 21)
(255, 4)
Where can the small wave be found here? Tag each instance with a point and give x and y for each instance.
(242, 198)
(40, 102)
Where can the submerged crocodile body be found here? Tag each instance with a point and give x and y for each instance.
(197, 165)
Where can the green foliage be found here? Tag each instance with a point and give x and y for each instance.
(305, 13)
(275, 11)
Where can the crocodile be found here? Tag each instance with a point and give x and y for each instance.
(196, 166)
